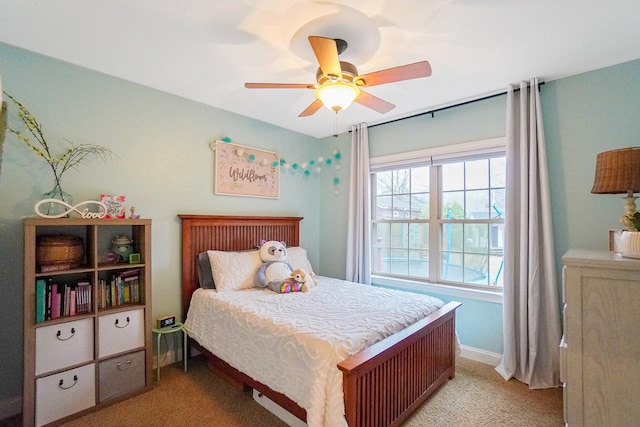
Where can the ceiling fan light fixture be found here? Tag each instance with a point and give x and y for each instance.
(338, 95)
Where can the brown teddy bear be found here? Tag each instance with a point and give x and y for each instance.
(303, 279)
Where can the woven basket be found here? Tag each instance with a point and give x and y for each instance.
(60, 249)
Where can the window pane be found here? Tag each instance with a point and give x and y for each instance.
(401, 181)
(451, 267)
(420, 206)
(401, 206)
(399, 235)
(383, 183)
(452, 237)
(477, 204)
(382, 260)
(399, 261)
(419, 263)
(477, 174)
(497, 203)
(418, 236)
(420, 180)
(384, 207)
(498, 168)
(496, 237)
(476, 238)
(382, 233)
(453, 205)
(496, 265)
(452, 176)
(475, 269)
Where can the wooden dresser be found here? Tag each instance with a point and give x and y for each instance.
(600, 350)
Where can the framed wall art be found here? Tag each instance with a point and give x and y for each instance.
(246, 171)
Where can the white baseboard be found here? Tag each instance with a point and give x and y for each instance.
(480, 355)
(10, 407)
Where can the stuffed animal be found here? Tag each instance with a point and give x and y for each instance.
(304, 279)
(275, 270)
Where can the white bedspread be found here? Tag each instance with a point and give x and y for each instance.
(293, 342)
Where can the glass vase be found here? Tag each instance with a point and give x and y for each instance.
(53, 208)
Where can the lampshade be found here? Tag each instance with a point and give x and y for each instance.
(337, 95)
(617, 171)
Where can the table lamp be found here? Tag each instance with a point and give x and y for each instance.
(618, 172)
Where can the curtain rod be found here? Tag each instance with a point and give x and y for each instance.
(432, 112)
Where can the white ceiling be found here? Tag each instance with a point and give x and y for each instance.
(205, 50)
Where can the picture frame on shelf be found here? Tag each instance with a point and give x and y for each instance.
(115, 206)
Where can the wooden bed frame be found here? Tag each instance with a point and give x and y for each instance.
(382, 384)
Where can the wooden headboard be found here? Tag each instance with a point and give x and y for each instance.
(227, 233)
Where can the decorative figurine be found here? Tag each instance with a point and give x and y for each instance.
(133, 213)
(122, 246)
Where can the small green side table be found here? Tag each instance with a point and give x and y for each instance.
(178, 327)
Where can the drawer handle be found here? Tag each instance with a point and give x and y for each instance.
(61, 383)
(121, 327)
(123, 368)
(73, 332)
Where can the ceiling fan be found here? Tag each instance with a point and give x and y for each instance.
(338, 83)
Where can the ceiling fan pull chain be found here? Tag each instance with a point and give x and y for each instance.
(335, 125)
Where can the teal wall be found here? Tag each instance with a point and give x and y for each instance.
(165, 167)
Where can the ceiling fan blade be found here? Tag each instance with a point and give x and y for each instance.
(373, 102)
(311, 109)
(279, 86)
(326, 51)
(396, 74)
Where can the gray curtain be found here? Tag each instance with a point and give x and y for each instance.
(358, 268)
(531, 306)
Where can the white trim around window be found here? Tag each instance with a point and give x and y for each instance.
(435, 288)
(438, 154)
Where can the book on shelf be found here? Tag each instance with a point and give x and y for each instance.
(122, 287)
(83, 298)
(41, 295)
(56, 299)
(54, 267)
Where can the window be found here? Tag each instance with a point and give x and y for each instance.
(440, 218)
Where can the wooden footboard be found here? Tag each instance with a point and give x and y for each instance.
(386, 382)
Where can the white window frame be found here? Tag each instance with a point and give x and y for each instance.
(431, 156)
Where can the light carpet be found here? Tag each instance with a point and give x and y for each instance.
(477, 396)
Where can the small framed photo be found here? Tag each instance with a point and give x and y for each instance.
(114, 204)
(134, 258)
(615, 238)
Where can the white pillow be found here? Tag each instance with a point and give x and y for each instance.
(233, 271)
(297, 257)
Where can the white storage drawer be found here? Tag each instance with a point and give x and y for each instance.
(119, 332)
(63, 344)
(65, 393)
(121, 375)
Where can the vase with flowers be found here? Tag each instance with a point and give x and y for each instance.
(631, 237)
(71, 157)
